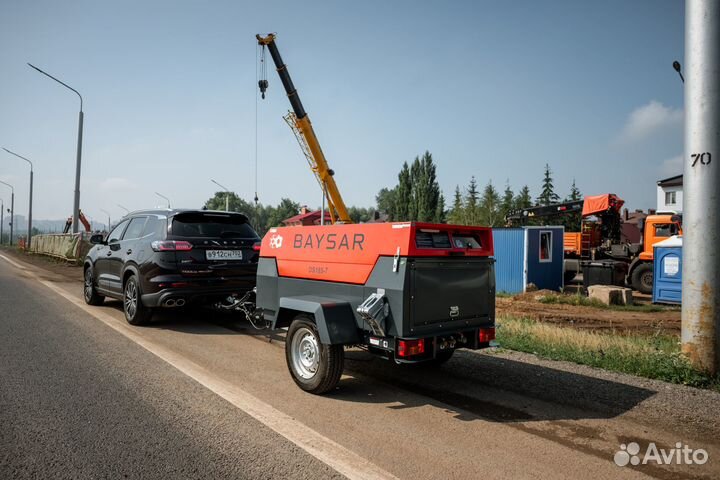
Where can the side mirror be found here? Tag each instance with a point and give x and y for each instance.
(97, 239)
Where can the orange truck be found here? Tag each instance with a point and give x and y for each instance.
(600, 242)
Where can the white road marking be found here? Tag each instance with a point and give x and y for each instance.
(14, 264)
(319, 446)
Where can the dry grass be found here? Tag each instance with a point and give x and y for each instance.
(653, 356)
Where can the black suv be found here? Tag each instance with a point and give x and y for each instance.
(171, 258)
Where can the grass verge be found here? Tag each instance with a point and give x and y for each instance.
(655, 356)
(582, 300)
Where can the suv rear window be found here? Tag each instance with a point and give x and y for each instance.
(211, 225)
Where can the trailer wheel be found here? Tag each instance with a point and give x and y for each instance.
(315, 367)
(642, 278)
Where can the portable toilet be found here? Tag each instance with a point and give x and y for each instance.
(527, 255)
(667, 271)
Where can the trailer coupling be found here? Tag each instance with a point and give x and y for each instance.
(246, 305)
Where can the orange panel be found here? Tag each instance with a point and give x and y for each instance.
(348, 253)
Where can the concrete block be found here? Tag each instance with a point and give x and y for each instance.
(606, 294)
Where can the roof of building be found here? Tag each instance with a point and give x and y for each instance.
(300, 217)
(675, 181)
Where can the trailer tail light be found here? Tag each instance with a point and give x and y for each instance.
(408, 348)
(486, 335)
(171, 246)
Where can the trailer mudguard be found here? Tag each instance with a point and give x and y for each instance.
(334, 318)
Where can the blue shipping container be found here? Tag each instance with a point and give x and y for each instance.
(667, 271)
(528, 255)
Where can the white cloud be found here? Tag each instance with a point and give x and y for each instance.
(650, 119)
(671, 167)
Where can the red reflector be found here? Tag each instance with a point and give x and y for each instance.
(179, 284)
(407, 348)
(256, 246)
(486, 335)
(171, 246)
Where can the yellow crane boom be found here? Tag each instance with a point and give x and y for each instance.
(302, 128)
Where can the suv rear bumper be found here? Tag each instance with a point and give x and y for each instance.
(169, 297)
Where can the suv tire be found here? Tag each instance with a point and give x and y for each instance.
(90, 294)
(135, 312)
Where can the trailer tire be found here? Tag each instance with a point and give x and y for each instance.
(315, 367)
(642, 278)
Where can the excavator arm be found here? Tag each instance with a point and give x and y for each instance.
(299, 122)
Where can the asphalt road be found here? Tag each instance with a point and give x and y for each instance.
(84, 395)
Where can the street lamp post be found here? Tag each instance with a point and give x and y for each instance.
(2, 219)
(163, 196)
(227, 195)
(29, 234)
(76, 203)
(12, 208)
(126, 210)
(108, 214)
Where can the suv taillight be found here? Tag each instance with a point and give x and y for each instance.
(171, 246)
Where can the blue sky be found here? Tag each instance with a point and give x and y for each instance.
(494, 89)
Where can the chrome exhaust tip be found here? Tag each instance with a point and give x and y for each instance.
(180, 302)
(170, 303)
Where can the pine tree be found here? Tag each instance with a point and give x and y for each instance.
(548, 195)
(472, 207)
(440, 214)
(490, 206)
(403, 193)
(456, 216)
(508, 201)
(575, 194)
(523, 199)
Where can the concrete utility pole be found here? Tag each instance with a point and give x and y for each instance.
(12, 208)
(701, 220)
(78, 160)
(29, 234)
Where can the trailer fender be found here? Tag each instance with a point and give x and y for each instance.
(334, 318)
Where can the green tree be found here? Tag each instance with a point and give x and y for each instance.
(490, 214)
(508, 201)
(472, 206)
(403, 193)
(385, 200)
(426, 191)
(456, 216)
(361, 214)
(440, 213)
(235, 203)
(573, 222)
(523, 199)
(547, 193)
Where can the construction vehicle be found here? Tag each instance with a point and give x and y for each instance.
(600, 237)
(83, 220)
(301, 126)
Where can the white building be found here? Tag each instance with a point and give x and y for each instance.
(670, 194)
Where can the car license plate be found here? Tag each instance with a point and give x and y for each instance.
(223, 254)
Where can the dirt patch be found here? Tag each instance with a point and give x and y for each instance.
(583, 317)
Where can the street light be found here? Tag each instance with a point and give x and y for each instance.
(29, 234)
(12, 208)
(2, 219)
(163, 196)
(126, 210)
(227, 195)
(76, 203)
(108, 214)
